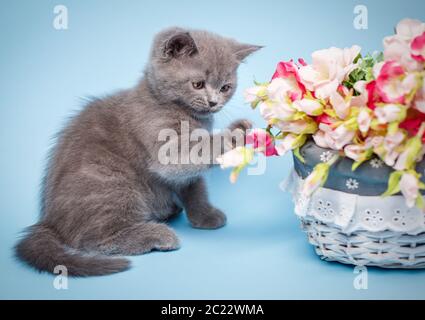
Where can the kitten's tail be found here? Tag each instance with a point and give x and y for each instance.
(42, 249)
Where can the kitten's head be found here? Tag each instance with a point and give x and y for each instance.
(195, 69)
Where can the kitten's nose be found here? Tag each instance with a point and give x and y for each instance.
(212, 103)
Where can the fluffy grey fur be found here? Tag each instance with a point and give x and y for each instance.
(105, 193)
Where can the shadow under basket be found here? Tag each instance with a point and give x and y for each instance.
(359, 229)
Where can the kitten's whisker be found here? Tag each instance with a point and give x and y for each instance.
(228, 116)
(223, 113)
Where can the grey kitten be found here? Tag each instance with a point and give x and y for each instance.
(105, 191)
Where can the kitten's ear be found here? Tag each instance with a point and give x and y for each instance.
(179, 45)
(243, 50)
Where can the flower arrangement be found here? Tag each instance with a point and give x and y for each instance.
(361, 106)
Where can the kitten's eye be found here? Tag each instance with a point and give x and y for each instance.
(225, 88)
(198, 85)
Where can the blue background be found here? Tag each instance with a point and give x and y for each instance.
(261, 253)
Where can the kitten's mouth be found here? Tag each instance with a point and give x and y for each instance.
(216, 109)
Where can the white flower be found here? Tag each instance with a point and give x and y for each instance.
(341, 107)
(387, 148)
(309, 106)
(409, 186)
(390, 112)
(328, 69)
(364, 120)
(280, 89)
(290, 142)
(252, 94)
(334, 139)
(315, 180)
(326, 156)
(279, 111)
(419, 102)
(352, 184)
(376, 163)
(297, 127)
(234, 158)
(355, 151)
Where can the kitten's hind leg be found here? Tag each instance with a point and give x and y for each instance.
(140, 238)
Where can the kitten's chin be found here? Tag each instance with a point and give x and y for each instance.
(205, 113)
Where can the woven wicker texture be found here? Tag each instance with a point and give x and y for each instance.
(385, 249)
(359, 230)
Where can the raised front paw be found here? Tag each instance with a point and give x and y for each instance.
(212, 218)
(241, 124)
(237, 132)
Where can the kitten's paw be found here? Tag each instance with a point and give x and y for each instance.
(211, 219)
(166, 239)
(238, 131)
(241, 124)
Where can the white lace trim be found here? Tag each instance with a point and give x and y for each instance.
(353, 213)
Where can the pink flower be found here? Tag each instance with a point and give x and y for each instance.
(393, 140)
(419, 102)
(387, 149)
(280, 89)
(398, 47)
(362, 99)
(262, 141)
(418, 48)
(341, 107)
(328, 70)
(412, 151)
(372, 95)
(325, 119)
(335, 139)
(289, 70)
(364, 120)
(392, 84)
(412, 125)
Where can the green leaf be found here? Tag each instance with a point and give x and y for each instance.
(420, 203)
(254, 104)
(366, 156)
(298, 155)
(261, 84)
(355, 165)
(393, 183)
(356, 59)
(347, 84)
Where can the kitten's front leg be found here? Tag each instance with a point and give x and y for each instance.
(200, 212)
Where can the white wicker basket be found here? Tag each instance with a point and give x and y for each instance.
(361, 230)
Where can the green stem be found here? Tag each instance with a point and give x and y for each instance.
(333, 159)
(421, 130)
